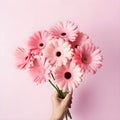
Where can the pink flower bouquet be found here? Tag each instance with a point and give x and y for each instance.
(61, 55)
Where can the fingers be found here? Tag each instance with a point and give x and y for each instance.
(68, 97)
(69, 105)
(56, 97)
(56, 94)
(68, 100)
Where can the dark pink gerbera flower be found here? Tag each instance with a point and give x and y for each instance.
(80, 40)
(41, 71)
(39, 40)
(66, 30)
(68, 77)
(24, 59)
(88, 57)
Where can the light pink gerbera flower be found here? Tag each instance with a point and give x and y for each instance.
(41, 71)
(80, 40)
(39, 40)
(68, 76)
(58, 52)
(88, 57)
(66, 30)
(24, 59)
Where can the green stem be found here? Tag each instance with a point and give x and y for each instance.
(53, 76)
(69, 114)
(53, 85)
(57, 89)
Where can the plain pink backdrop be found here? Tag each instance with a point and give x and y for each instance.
(98, 97)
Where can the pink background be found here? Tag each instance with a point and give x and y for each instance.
(98, 98)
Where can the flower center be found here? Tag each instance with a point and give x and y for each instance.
(41, 44)
(84, 59)
(63, 34)
(41, 71)
(67, 75)
(58, 53)
(76, 46)
(26, 57)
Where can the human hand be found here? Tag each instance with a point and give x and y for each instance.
(60, 106)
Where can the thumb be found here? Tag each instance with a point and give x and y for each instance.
(67, 99)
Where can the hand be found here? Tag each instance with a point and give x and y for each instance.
(60, 106)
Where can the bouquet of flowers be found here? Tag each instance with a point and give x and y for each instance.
(61, 55)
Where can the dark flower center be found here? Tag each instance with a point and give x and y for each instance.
(67, 75)
(84, 59)
(41, 44)
(63, 34)
(58, 54)
(76, 46)
(26, 57)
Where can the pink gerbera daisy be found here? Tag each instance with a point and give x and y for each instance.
(39, 40)
(41, 71)
(80, 40)
(66, 30)
(58, 52)
(88, 57)
(68, 76)
(24, 59)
